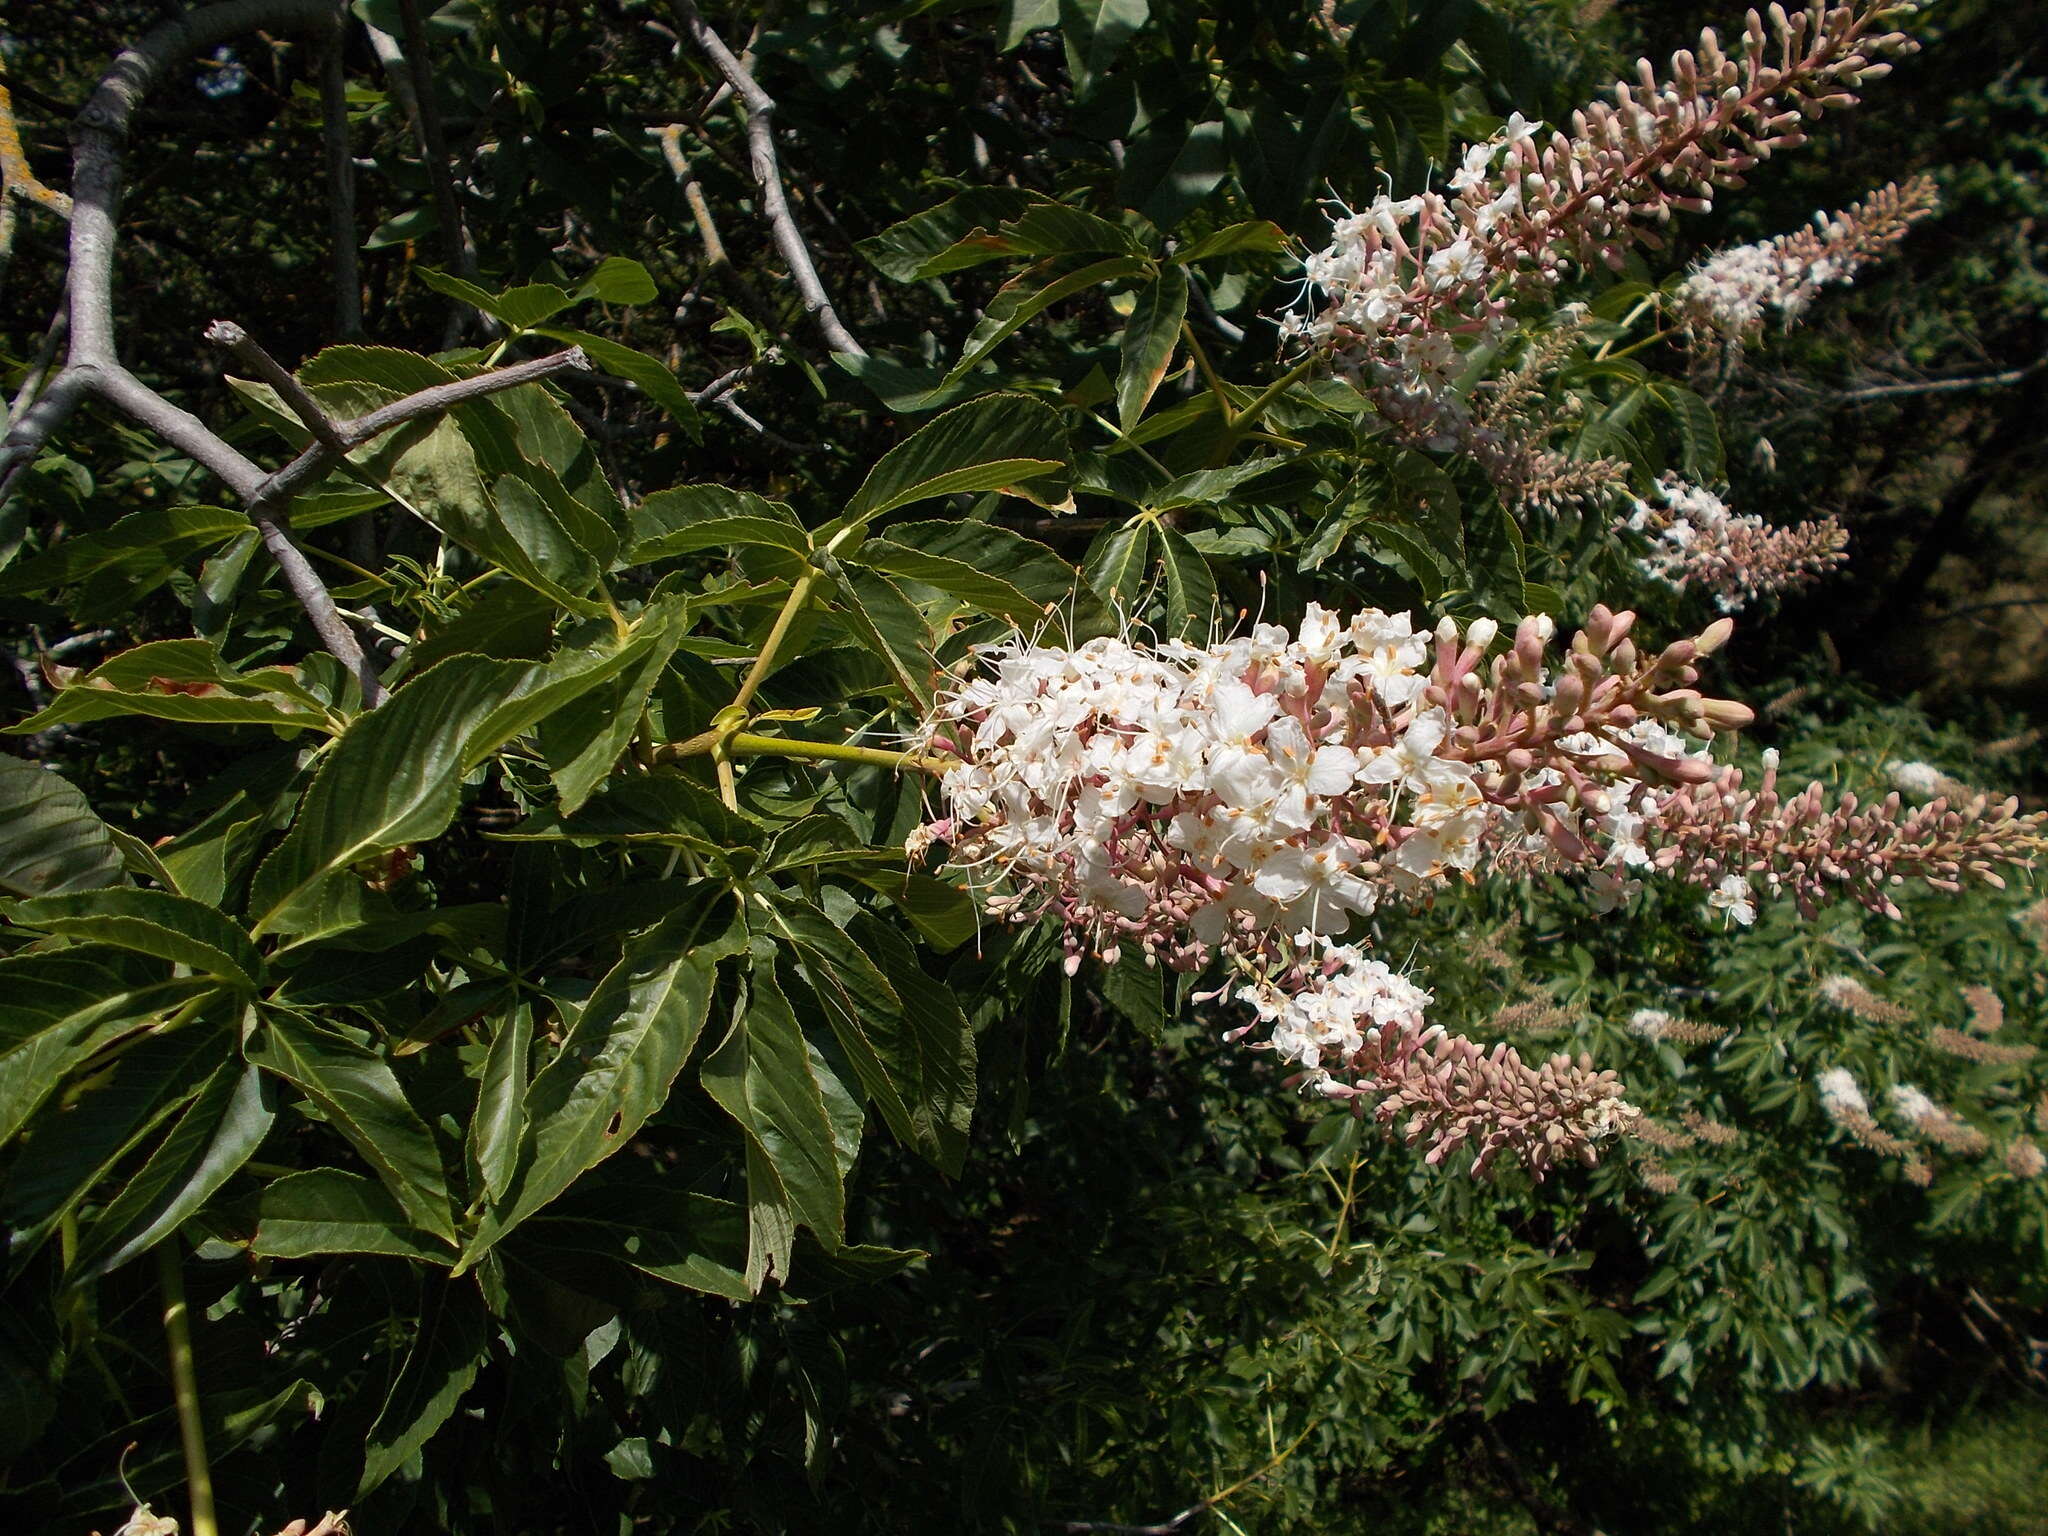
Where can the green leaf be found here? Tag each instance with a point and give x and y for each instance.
(1137, 992)
(211, 1141)
(326, 1210)
(1025, 297)
(1119, 563)
(955, 235)
(1095, 32)
(693, 517)
(355, 1088)
(1699, 434)
(59, 1006)
(618, 280)
(180, 680)
(1169, 170)
(655, 378)
(51, 840)
(494, 1130)
(762, 1076)
(944, 914)
(449, 1344)
(521, 308)
(616, 1065)
(143, 547)
(1023, 17)
(173, 928)
(1055, 229)
(1150, 337)
(994, 568)
(888, 623)
(1190, 588)
(988, 445)
(67, 1156)
(393, 778)
(1260, 235)
(674, 1235)
(903, 1033)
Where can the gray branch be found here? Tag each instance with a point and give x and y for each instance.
(341, 190)
(767, 171)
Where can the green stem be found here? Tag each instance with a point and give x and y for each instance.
(1208, 371)
(746, 744)
(1636, 347)
(185, 1388)
(1242, 423)
(799, 595)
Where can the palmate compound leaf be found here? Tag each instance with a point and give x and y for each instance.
(617, 1063)
(51, 840)
(355, 1087)
(903, 1034)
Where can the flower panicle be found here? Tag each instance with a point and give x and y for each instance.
(1736, 557)
(1408, 284)
(1728, 297)
(1250, 799)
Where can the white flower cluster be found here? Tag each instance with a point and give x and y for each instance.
(1212, 786)
(1348, 1003)
(1730, 294)
(1840, 1097)
(1402, 281)
(1736, 556)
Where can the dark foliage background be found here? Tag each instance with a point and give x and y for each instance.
(1158, 1281)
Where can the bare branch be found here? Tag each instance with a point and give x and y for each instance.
(693, 194)
(443, 397)
(2003, 380)
(341, 190)
(250, 353)
(767, 171)
(17, 178)
(446, 203)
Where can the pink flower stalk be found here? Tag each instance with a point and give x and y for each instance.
(1249, 799)
(1727, 296)
(1737, 557)
(1408, 284)
(1804, 847)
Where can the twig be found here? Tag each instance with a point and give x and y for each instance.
(693, 193)
(341, 190)
(435, 143)
(1940, 386)
(249, 352)
(1173, 1523)
(768, 177)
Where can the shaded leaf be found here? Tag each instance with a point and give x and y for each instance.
(51, 840)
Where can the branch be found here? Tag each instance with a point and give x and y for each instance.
(435, 142)
(17, 178)
(341, 190)
(250, 353)
(768, 177)
(1941, 386)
